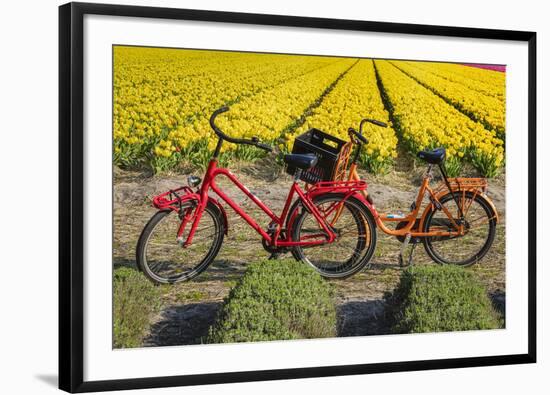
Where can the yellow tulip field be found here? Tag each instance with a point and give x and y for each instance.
(163, 99)
(483, 105)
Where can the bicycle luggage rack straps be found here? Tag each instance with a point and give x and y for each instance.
(173, 198)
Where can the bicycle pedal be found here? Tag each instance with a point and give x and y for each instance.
(274, 255)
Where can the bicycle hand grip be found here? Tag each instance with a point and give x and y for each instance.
(358, 136)
(265, 147)
(378, 123)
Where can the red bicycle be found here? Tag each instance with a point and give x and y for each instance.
(328, 226)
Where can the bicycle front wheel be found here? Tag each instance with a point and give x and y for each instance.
(479, 222)
(356, 236)
(163, 259)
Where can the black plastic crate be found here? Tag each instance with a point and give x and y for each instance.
(326, 147)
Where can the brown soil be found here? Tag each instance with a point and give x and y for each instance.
(190, 308)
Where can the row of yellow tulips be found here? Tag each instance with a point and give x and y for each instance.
(487, 108)
(159, 91)
(163, 99)
(355, 97)
(425, 120)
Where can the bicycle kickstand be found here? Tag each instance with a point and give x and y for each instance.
(402, 252)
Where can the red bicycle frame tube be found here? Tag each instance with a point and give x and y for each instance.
(209, 184)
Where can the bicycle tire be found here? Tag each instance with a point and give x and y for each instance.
(476, 257)
(363, 220)
(156, 219)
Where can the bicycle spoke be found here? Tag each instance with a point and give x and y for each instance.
(464, 248)
(351, 244)
(167, 258)
(483, 217)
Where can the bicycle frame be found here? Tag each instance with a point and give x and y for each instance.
(274, 239)
(411, 217)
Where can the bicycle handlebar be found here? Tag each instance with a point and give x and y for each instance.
(373, 121)
(254, 141)
(357, 137)
(354, 134)
(265, 147)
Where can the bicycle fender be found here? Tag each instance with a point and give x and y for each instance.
(482, 196)
(222, 211)
(492, 205)
(430, 206)
(363, 199)
(427, 209)
(172, 200)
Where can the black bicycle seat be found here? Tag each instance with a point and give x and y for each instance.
(434, 157)
(301, 161)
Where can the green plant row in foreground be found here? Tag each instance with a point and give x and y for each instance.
(440, 299)
(276, 300)
(134, 300)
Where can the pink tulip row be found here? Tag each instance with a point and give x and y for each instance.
(501, 68)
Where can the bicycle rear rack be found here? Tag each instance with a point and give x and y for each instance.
(173, 198)
(476, 185)
(338, 186)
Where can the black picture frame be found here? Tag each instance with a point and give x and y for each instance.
(71, 198)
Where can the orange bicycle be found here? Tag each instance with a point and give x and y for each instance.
(458, 223)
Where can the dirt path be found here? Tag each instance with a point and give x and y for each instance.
(190, 308)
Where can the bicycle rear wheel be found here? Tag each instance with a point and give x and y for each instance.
(162, 258)
(480, 222)
(356, 236)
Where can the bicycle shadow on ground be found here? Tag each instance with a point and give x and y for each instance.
(123, 262)
(498, 298)
(362, 318)
(189, 324)
(182, 324)
(221, 270)
(380, 265)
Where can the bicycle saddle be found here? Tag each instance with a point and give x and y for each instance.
(434, 157)
(301, 161)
